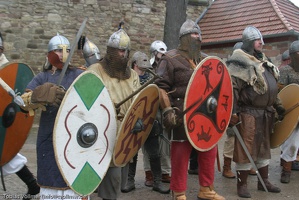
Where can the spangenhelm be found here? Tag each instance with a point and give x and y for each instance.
(190, 26)
(91, 53)
(251, 33)
(157, 46)
(141, 60)
(59, 42)
(120, 40)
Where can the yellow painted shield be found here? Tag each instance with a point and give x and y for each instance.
(142, 111)
(289, 96)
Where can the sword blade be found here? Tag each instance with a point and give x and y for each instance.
(17, 99)
(74, 44)
(249, 156)
(189, 108)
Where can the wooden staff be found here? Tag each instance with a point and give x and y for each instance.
(139, 89)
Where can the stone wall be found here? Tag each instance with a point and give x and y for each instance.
(28, 25)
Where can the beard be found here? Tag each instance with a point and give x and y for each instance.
(115, 65)
(191, 47)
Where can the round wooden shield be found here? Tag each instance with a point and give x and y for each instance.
(289, 96)
(208, 103)
(84, 133)
(15, 124)
(141, 113)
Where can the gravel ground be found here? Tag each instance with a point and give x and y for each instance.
(226, 187)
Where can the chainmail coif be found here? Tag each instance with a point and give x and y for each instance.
(190, 48)
(115, 65)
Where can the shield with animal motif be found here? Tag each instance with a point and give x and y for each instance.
(84, 133)
(208, 103)
(136, 125)
(15, 124)
(289, 97)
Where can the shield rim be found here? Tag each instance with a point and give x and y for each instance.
(33, 74)
(272, 146)
(185, 101)
(125, 118)
(55, 127)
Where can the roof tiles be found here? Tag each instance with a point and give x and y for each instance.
(225, 20)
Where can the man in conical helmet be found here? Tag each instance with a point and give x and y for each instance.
(254, 80)
(141, 64)
(116, 73)
(43, 92)
(91, 53)
(176, 68)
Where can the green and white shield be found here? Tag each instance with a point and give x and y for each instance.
(84, 133)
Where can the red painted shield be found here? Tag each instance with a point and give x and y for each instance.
(208, 102)
(15, 124)
(143, 109)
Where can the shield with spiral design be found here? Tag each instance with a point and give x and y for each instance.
(208, 103)
(84, 133)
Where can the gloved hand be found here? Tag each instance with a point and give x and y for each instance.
(48, 93)
(169, 118)
(234, 119)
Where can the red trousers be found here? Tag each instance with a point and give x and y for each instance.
(180, 153)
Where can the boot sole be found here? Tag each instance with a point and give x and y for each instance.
(161, 192)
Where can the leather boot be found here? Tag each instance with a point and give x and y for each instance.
(286, 171)
(131, 177)
(179, 195)
(264, 174)
(208, 192)
(157, 176)
(227, 172)
(166, 178)
(27, 177)
(148, 179)
(242, 176)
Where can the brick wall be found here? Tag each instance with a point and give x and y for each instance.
(28, 25)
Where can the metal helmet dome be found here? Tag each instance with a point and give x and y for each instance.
(190, 26)
(251, 33)
(141, 60)
(58, 42)
(294, 47)
(91, 53)
(157, 46)
(120, 40)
